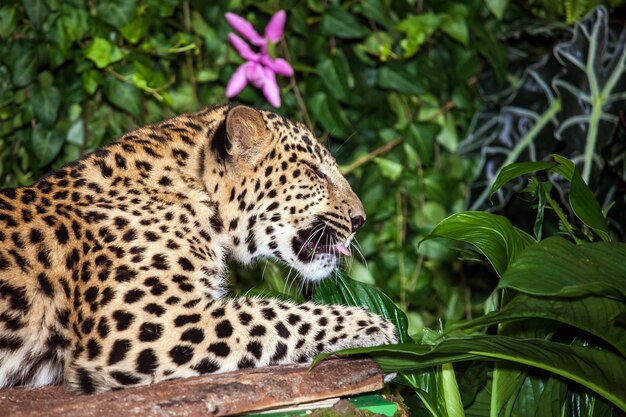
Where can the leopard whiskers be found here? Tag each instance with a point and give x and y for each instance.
(359, 249)
(317, 229)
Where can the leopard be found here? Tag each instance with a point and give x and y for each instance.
(114, 267)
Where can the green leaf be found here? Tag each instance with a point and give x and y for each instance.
(338, 22)
(345, 291)
(335, 74)
(46, 102)
(594, 314)
(419, 29)
(396, 78)
(8, 20)
(494, 236)
(327, 111)
(117, 13)
(91, 81)
(584, 203)
(133, 31)
(103, 52)
(377, 11)
(497, 7)
(516, 170)
(46, 143)
(601, 371)
(76, 133)
(123, 95)
(556, 267)
(37, 11)
(389, 168)
(454, 24)
(450, 391)
(24, 67)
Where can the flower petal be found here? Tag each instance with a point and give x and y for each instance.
(270, 88)
(237, 82)
(244, 27)
(278, 65)
(274, 28)
(256, 74)
(243, 48)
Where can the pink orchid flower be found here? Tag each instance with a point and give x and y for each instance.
(259, 69)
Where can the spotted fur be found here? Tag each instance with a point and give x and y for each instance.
(112, 269)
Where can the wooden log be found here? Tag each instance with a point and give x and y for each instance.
(208, 395)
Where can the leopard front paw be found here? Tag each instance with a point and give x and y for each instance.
(368, 329)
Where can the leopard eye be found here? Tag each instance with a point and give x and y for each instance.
(319, 173)
(316, 170)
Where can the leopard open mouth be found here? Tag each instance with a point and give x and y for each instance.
(317, 240)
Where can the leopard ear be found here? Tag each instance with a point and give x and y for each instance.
(247, 132)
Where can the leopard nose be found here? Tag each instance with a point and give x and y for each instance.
(357, 222)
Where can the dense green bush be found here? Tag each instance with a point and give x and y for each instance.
(396, 89)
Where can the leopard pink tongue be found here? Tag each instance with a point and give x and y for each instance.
(342, 250)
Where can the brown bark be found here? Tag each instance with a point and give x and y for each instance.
(209, 395)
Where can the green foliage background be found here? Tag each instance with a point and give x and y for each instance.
(395, 88)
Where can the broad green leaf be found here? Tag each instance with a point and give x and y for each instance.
(330, 115)
(123, 95)
(91, 81)
(497, 7)
(377, 11)
(454, 23)
(516, 170)
(601, 371)
(335, 74)
(494, 236)
(345, 291)
(450, 391)
(46, 102)
(428, 402)
(338, 22)
(46, 143)
(8, 20)
(117, 13)
(37, 11)
(539, 397)
(389, 168)
(134, 30)
(24, 67)
(103, 52)
(593, 314)
(76, 133)
(396, 78)
(506, 382)
(556, 267)
(584, 203)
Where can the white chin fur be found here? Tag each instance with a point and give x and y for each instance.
(321, 267)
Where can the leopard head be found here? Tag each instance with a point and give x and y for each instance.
(287, 199)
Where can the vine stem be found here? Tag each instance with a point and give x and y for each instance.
(296, 90)
(366, 158)
(154, 92)
(561, 216)
(189, 56)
